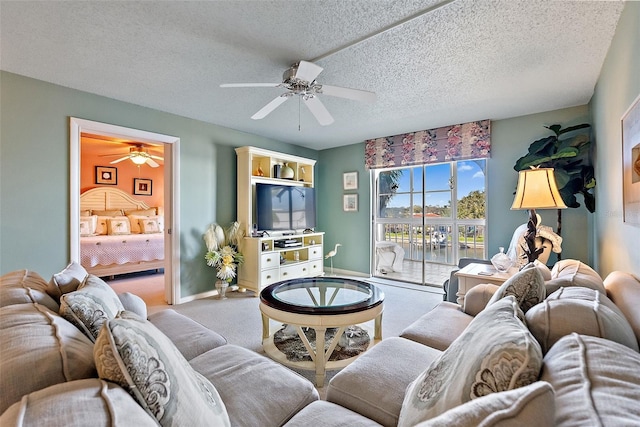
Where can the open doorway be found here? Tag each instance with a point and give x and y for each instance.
(169, 197)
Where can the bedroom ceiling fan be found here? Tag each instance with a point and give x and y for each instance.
(138, 155)
(300, 79)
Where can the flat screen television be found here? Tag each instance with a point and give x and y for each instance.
(285, 207)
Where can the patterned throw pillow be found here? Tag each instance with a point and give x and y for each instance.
(133, 353)
(90, 306)
(495, 353)
(149, 225)
(88, 225)
(118, 226)
(527, 286)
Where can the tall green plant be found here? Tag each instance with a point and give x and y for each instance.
(568, 153)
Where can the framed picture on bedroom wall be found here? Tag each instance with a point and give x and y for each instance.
(106, 175)
(142, 187)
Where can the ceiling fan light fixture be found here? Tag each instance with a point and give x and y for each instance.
(138, 160)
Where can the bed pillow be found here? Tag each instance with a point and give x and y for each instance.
(107, 212)
(90, 306)
(133, 353)
(527, 286)
(495, 353)
(102, 228)
(118, 226)
(134, 221)
(149, 226)
(85, 212)
(581, 310)
(88, 225)
(141, 212)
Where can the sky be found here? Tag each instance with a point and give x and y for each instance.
(470, 177)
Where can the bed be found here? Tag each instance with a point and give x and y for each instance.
(112, 243)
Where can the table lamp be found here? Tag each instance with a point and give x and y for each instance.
(537, 189)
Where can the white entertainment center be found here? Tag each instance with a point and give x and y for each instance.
(279, 255)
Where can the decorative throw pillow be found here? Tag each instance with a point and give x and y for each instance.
(581, 310)
(101, 227)
(118, 226)
(149, 225)
(495, 353)
(527, 286)
(531, 405)
(69, 279)
(90, 306)
(135, 222)
(108, 212)
(88, 225)
(133, 353)
(141, 212)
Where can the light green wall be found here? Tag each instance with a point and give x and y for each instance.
(616, 243)
(351, 229)
(510, 140)
(34, 173)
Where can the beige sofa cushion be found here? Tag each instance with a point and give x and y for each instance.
(477, 298)
(527, 286)
(133, 353)
(256, 390)
(326, 414)
(596, 382)
(375, 384)
(52, 348)
(439, 327)
(90, 306)
(581, 310)
(571, 272)
(531, 405)
(26, 287)
(78, 403)
(624, 291)
(495, 353)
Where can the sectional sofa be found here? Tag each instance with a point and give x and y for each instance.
(73, 353)
(548, 347)
(555, 347)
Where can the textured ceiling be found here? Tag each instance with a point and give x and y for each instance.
(460, 61)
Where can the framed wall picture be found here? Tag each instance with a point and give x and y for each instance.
(142, 187)
(106, 175)
(350, 202)
(631, 163)
(350, 180)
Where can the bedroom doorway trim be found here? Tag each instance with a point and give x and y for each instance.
(171, 192)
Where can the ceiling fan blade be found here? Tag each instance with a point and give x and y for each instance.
(120, 160)
(250, 85)
(152, 163)
(318, 109)
(308, 71)
(345, 92)
(264, 111)
(156, 157)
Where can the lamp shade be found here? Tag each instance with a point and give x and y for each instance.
(138, 160)
(537, 189)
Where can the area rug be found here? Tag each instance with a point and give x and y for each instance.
(354, 341)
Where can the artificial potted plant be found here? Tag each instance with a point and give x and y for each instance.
(567, 151)
(223, 254)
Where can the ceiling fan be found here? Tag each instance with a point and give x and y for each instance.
(138, 155)
(300, 79)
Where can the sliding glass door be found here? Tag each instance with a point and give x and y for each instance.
(427, 217)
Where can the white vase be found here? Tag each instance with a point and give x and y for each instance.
(221, 287)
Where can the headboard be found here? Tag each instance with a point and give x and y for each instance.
(103, 198)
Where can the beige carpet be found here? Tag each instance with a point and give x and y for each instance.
(238, 318)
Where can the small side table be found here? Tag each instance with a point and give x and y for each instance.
(475, 274)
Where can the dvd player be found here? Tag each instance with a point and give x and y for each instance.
(287, 243)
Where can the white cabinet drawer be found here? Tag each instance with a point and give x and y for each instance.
(269, 260)
(269, 276)
(315, 252)
(315, 267)
(300, 269)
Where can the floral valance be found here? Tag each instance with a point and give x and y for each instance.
(445, 144)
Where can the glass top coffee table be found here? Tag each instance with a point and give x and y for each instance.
(319, 303)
